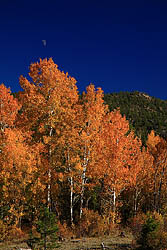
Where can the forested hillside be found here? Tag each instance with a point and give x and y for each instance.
(67, 156)
(145, 113)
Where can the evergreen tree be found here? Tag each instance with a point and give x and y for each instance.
(47, 229)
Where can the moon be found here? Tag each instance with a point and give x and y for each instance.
(44, 42)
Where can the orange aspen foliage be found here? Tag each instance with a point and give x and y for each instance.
(152, 142)
(49, 101)
(8, 108)
(157, 147)
(18, 170)
(91, 116)
(120, 159)
(112, 150)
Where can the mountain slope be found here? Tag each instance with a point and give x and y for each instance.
(145, 113)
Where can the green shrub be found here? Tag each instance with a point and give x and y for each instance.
(152, 235)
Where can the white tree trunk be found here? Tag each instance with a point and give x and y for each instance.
(71, 200)
(49, 175)
(82, 191)
(71, 190)
(114, 201)
(135, 203)
(83, 180)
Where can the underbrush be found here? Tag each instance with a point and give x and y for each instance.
(94, 225)
(91, 225)
(150, 231)
(10, 232)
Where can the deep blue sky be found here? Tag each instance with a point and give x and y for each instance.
(117, 45)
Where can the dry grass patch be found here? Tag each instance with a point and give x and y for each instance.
(114, 242)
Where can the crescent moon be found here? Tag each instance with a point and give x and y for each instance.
(44, 42)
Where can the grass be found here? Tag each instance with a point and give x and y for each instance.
(114, 242)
